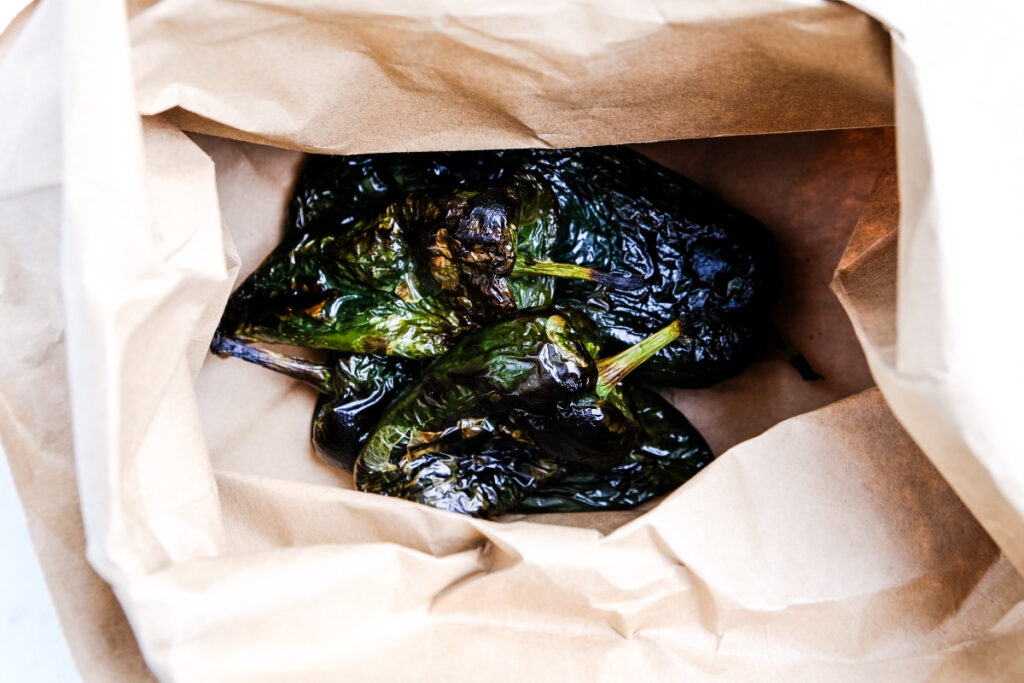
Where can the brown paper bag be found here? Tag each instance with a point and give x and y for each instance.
(824, 547)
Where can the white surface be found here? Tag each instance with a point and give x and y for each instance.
(32, 646)
(8, 9)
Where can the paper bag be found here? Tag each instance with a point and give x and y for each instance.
(825, 547)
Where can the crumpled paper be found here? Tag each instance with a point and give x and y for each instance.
(941, 343)
(461, 75)
(827, 547)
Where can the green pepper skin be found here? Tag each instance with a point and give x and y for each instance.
(406, 280)
(511, 419)
(335, 193)
(534, 359)
(483, 475)
(699, 258)
(667, 452)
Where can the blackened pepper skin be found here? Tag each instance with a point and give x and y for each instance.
(417, 452)
(698, 258)
(667, 452)
(405, 282)
(519, 417)
(362, 387)
(701, 260)
(490, 426)
(408, 276)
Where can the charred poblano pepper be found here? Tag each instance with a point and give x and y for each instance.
(697, 257)
(406, 278)
(522, 415)
(666, 453)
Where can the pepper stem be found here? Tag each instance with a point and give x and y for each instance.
(612, 370)
(315, 375)
(570, 271)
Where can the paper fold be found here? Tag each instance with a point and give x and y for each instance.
(398, 76)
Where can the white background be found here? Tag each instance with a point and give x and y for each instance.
(32, 646)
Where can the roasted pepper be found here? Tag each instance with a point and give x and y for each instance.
(667, 452)
(408, 277)
(697, 257)
(522, 415)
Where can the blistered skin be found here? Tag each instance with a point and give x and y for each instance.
(407, 255)
(406, 278)
(361, 388)
(696, 256)
(513, 418)
(530, 360)
(584, 429)
(700, 260)
(666, 452)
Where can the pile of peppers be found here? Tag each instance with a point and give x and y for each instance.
(479, 313)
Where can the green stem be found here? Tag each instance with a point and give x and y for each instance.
(570, 271)
(612, 370)
(316, 375)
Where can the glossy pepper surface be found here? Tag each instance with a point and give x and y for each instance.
(667, 452)
(616, 211)
(405, 277)
(522, 415)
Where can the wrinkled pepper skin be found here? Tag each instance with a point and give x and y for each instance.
(362, 387)
(698, 258)
(667, 452)
(701, 260)
(512, 419)
(405, 278)
(466, 395)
